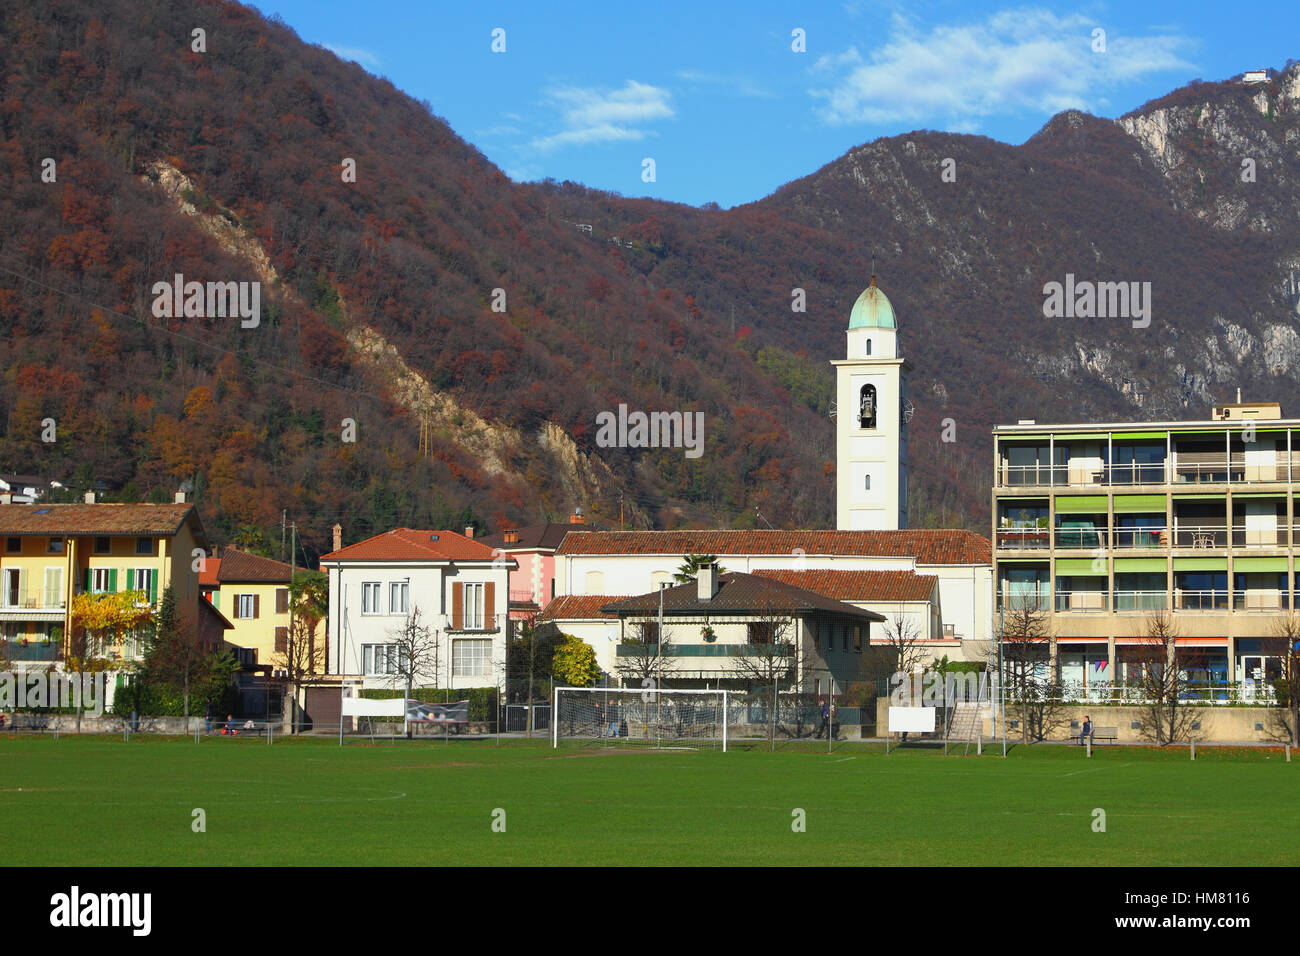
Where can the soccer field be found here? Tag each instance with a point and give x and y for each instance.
(103, 801)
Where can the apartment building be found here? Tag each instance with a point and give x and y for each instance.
(1102, 526)
(52, 552)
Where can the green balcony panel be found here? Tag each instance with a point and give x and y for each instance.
(1244, 565)
(1140, 566)
(1136, 436)
(1139, 504)
(1080, 504)
(1081, 567)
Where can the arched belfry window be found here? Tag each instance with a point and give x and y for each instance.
(867, 406)
(868, 483)
(868, 346)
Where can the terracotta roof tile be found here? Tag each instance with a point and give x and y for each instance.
(581, 606)
(408, 544)
(860, 586)
(101, 519)
(208, 576)
(242, 566)
(927, 546)
(739, 594)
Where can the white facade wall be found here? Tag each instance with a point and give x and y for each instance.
(429, 587)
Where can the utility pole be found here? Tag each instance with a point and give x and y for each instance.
(282, 517)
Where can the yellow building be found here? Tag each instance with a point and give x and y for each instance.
(253, 593)
(52, 552)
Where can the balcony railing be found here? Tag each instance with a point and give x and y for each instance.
(1141, 600)
(1274, 537)
(1201, 537)
(1026, 539)
(1141, 539)
(32, 599)
(29, 651)
(1183, 468)
(705, 650)
(521, 597)
(1085, 601)
(1261, 599)
(1200, 600)
(1042, 601)
(1088, 539)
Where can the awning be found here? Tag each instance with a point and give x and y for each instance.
(1081, 567)
(1140, 566)
(1260, 564)
(1132, 504)
(1080, 504)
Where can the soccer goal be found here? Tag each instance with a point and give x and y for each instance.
(650, 717)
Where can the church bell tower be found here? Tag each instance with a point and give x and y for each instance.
(871, 420)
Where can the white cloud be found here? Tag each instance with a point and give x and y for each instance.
(598, 116)
(1015, 61)
(352, 53)
(736, 83)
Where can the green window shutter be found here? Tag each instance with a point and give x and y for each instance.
(90, 579)
(1140, 566)
(130, 579)
(1133, 504)
(1081, 567)
(1277, 565)
(112, 580)
(153, 588)
(1080, 504)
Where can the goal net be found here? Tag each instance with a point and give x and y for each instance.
(640, 717)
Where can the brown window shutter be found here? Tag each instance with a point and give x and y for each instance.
(489, 605)
(281, 600)
(257, 605)
(281, 640)
(457, 605)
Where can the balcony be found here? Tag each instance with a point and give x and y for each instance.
(704, 650)
(1200, 600)
(1023, 539)
(521, 597)
(1261, 600)
(1141, 539)
(1082, 601)
(28, 652)
(1274, 536)
(1201, 537)
(14, 602)
(1141, 600)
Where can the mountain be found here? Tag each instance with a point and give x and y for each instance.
(378, 321)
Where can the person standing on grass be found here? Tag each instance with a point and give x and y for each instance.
(1086, 730)
(835, 730)
(826, 716)
(611, 712)
(207, 719)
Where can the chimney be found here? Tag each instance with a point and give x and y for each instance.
(90, 497)
(180, 497)
(338, 537)
(511, 536)
(1238, 396)
(577, 517)
(469, 531)
(706, 582)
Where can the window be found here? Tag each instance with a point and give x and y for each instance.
(473, 607)
(398, 597)
(867, 406)
(760, 632)
(103, 545)
(13, 587)
(144, 545)
(868, 346)
(146, 580)
(246, 606)
(55, 546)
(471, 658)
(281, 600)
(14, 545)
(101, 580)
(379, 659)
(53, 596)
(857, 638)
(371, 598)
(868, 483)
(281, 640)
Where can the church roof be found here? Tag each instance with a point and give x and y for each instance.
(872, 310)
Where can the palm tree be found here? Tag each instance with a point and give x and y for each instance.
(309, 598)
(691, 567)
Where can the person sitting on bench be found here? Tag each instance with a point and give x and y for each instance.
(1086, 730)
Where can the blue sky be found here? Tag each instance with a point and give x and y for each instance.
(716, 95)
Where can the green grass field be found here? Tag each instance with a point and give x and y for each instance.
(92, 801)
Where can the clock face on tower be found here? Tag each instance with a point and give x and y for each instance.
(906, 411)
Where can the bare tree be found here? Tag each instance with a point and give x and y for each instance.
(300, 658)
(903, 643)
(1162, 682)
(769, 660)
(413, 653)
(530, 661)
(1284, 645)
(1027, 677)
(651, 658)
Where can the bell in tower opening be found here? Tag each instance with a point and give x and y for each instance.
(867, 407)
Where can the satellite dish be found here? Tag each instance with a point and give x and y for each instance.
(831, 411)
(908, 411)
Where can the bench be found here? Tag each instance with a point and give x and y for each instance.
(1098, 733)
